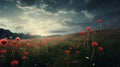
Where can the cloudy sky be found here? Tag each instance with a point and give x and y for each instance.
(51, 17)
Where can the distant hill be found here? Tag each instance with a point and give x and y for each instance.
(7, 33)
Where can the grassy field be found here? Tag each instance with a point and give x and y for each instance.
(84, 49)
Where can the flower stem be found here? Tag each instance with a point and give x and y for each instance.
(92, 56)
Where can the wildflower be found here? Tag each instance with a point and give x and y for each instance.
(3, 41)
(3, 51)
(82, 32)
(28, 41)
(26, 53)
(87, 57)
(94, 44)
(17, 39)
(10, 37)
(17, 45)
(99, 21)
(88, 28)
(77, 52)
(24, 57)
(44, 43)
(13, 42)
(93, 64)
(67, 51)
(14, 62)
(100, 49)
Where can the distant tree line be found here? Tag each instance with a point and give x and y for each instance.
(6, 34)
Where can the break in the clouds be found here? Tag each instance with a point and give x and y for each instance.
(51, 17)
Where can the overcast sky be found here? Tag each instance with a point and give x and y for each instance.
(51, 17)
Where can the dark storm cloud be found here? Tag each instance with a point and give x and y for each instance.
(108, 10)
(55, 5)
(26, 2)
(76, 5)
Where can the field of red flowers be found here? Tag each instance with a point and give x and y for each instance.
(87, 49)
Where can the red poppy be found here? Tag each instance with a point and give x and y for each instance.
(17, 39)
(44, 43)
(67, 51)
(94, 44)
(77, 52)
(26, 53)
(14, 62)
(17, 45)
(82, 32)
(13, 42)
(28, 41)
(88, 28)
(3, 41)
(24, 57)
(100, 49)
(10, 37)
(3, 51)
(99, 21)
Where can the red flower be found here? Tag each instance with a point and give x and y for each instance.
(28, 41)
(10, 37)
(88, 28)
(14, 62)
(17, 45)
(13, 42)
(82, 32)
(77, 52)
(67, 51)
(3, 41)
(100, 49)
(24, 57)
(26, 53)
(94, 44)
(17, 39)
(44, 43)
(99, 21)
(3, 51)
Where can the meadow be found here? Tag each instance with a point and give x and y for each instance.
(88, 48)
